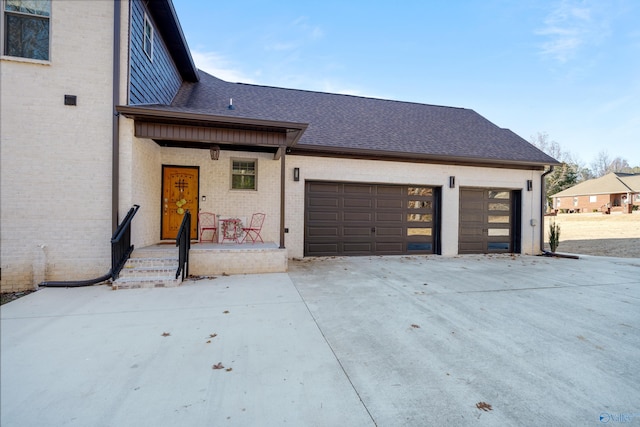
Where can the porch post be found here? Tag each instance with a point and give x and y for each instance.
(283, 149)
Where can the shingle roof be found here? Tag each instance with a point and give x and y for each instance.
(612, 183)
(359, 123)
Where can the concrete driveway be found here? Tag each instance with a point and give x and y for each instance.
(473, 340)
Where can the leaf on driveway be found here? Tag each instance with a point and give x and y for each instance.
(166, 334)
(415, 326)
(484, 406)
(225, 312)
(218, 366)
(229, 369)
(213, 335)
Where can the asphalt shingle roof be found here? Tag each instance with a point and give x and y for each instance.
(358, 123)
(612, 183)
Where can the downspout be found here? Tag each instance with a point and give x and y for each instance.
(282, 194)
(115, 158)
(543, 203)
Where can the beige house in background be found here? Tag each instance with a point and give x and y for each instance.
(104, 109)
(614, 192)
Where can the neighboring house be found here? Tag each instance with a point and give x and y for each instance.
(103, 108)
(614, 192)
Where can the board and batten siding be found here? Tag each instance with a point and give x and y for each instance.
(151, 81)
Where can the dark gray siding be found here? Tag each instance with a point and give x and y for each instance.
(151, 82)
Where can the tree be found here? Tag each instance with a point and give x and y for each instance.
(563, 176)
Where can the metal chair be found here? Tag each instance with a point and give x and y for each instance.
(207, 222)
(254, 228)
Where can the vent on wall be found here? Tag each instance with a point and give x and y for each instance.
(70, 100)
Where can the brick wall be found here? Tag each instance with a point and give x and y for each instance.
(56, 159)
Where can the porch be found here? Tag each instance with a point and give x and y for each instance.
(208, 259)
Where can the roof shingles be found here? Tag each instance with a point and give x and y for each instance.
(357, 123)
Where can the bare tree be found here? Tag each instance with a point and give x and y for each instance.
(600, 166)
(620, 165)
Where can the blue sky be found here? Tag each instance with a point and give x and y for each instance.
(570, 68)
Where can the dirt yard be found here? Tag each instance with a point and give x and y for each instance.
(615, 235)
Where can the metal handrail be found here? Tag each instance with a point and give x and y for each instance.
(121, 249)
(183, 241)
(121, 246)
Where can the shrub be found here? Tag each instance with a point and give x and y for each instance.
(554, 236)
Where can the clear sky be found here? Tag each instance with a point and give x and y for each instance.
(570, 68)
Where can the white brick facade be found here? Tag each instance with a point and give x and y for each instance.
(56, 159)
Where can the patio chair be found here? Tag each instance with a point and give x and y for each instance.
(207, 222)
(254, 228)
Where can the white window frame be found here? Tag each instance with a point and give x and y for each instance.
(255, 173)
(3, 36)
(148, 40)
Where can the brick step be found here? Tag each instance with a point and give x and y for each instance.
(149, 271)
(146, 282)
(151, 262)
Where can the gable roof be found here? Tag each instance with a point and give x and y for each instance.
(612, 183)
(353, 125)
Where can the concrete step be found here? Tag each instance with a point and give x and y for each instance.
(149, 271)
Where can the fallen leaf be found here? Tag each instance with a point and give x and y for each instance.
(415, 326)
(225, 312)
(229, 369)
(166, 334)
(484, 406)
(218, 366)
(209, 342)
(213, 335)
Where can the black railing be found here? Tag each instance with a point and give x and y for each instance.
(183, 240)
(121, 246)
(121, 249)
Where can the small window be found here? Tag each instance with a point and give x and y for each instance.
(593, 199)
(243, 175)
(26, 28)
(147, 37)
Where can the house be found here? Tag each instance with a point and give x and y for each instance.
(614, 192)
(104, 109)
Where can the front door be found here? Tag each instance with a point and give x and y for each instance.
(179, 193)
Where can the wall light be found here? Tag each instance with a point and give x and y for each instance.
(452, 182)
(529, 185)
(296, 174)
(214, 150)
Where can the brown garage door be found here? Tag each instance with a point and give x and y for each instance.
(489, 221)
(366, 219)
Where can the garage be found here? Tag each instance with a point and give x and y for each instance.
(490, 221)
(343, 218)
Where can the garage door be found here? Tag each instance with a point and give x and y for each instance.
(489, 221)
(367, 219)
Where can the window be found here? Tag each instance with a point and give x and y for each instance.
(147, 37)
(243, 175)
(26, 28)
(593, 199)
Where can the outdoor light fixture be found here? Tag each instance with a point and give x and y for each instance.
(214, 150)
(452, 182)
(529, 185)
(296, 174)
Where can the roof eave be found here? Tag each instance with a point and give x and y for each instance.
(417, 157)
(165, 16)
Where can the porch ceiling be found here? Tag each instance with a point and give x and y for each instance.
(189, 130)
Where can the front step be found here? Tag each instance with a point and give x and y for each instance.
(149, 269)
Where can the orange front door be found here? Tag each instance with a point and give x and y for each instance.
(179, 193)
